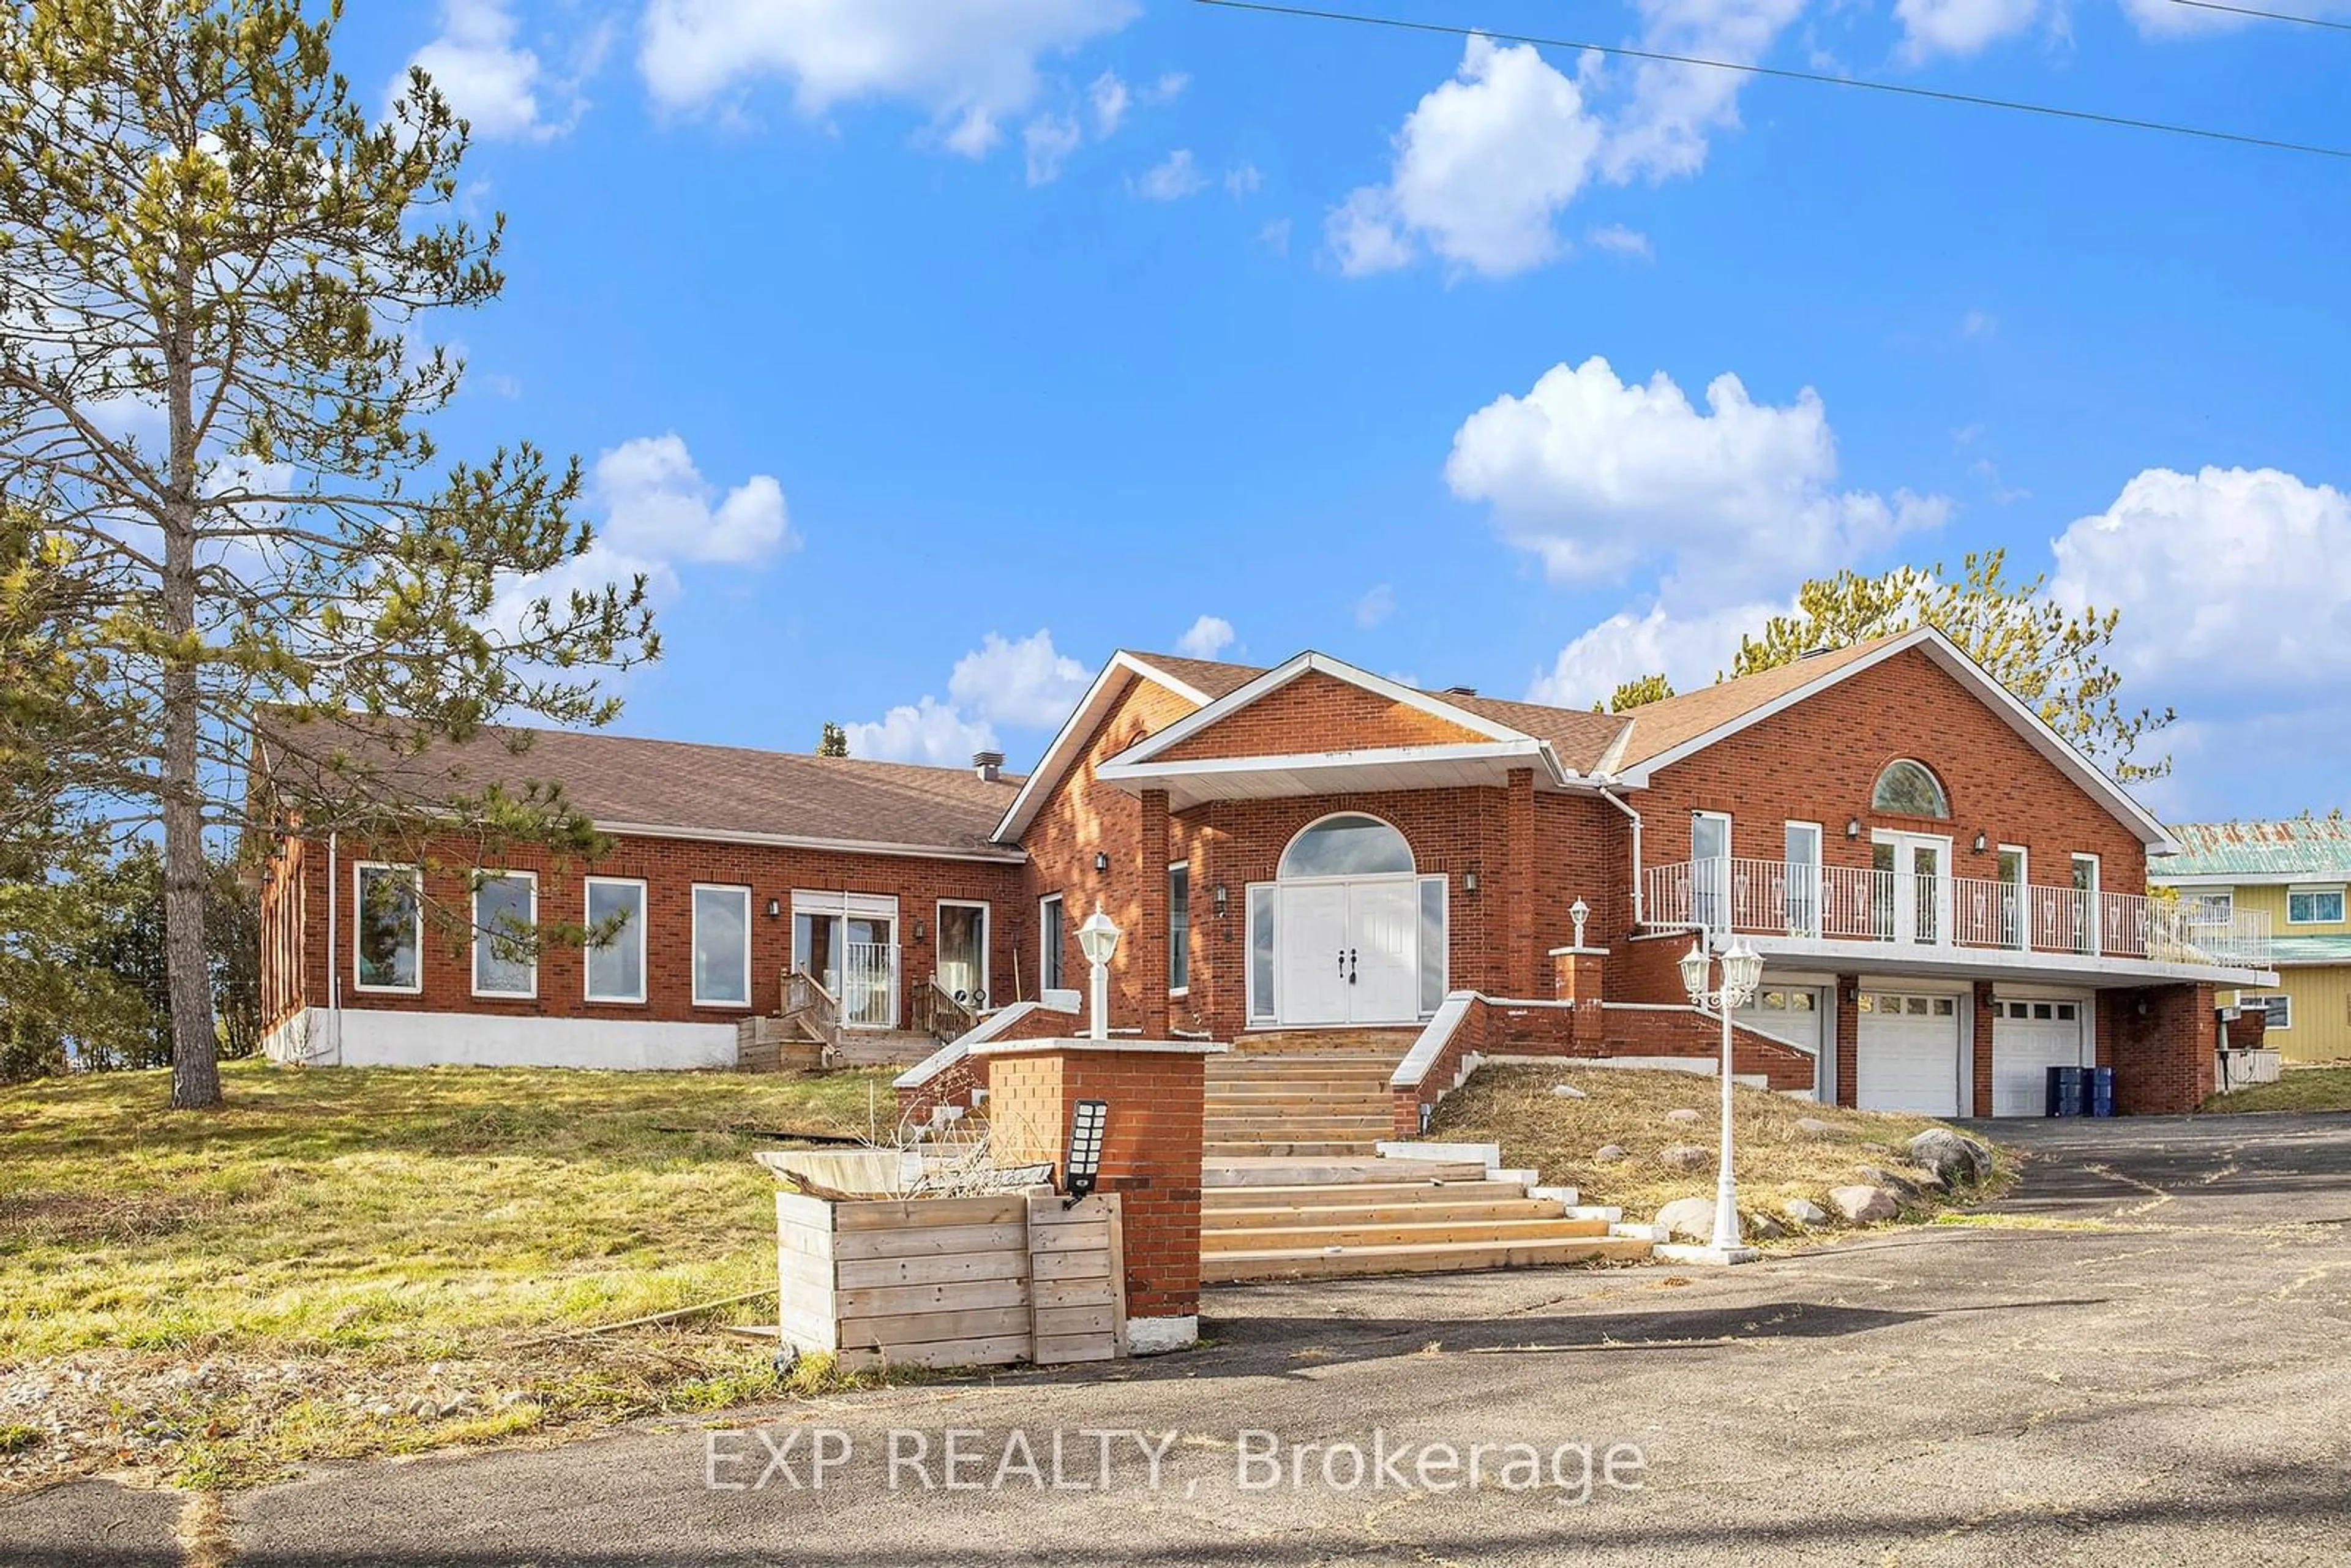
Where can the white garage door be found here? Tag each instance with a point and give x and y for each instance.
(1907, 1054)
(2029, 1036)
(1795, 1014)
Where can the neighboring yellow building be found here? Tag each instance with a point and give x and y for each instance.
(2298, 874)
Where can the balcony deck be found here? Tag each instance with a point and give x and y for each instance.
(1839, 911)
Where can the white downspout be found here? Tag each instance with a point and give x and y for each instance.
(334, 949)
(1609, 796)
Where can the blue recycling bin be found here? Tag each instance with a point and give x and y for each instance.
(2098, 1090)
(2068, 1092)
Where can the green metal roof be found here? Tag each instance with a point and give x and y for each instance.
(2301, 846)
(2299, 950)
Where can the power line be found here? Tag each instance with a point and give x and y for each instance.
(2266, 16)
(1785, 74)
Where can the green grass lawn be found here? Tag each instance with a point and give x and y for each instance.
(1514, 1106)
(2297, 1089)
(347, 1261)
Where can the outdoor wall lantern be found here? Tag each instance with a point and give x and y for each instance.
(918, 928)
(1468, 882)
(1220, 898)
(1853, 827)
(1980, 844)
(1082, 1165)
(775, 908)
(1102, 861)
(1098, 939)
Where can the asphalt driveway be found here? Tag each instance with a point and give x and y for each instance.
(2142, 1359)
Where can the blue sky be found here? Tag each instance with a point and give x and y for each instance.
(926, 350)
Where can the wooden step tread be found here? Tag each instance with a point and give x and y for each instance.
(1431, 1257)
(1395, 1233)
(1223, 1217)
(1311, 1148)
(1298, 1195)
(1257, 1172)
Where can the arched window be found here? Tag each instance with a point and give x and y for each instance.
(1349, 844)
(1909, 788)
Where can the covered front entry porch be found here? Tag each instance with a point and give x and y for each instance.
(1348, 932)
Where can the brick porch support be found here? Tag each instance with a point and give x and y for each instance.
(1578, 975)
(1151, 1154)
(1519, 895)
(1149, 964)
(1847, 1044)
(2161, 1047)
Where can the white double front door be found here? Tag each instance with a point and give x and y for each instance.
(1350, 951)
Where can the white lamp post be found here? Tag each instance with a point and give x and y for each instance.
(1741, 969)
(1098, 939)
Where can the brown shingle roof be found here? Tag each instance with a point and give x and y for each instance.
(718, 789)
(1209, 677)
(1580, 736)
(1659, 726)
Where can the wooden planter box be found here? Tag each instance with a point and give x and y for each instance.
(951, 1281)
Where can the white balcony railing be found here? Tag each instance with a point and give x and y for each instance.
(866, 981)
(1777, 898)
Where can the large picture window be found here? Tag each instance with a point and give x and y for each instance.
(722, 946)
(506, 943)
(616, 965)
(388, 931)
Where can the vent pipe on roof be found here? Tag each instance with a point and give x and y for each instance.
(989, 765)
(1458, 692)
(1816, 650)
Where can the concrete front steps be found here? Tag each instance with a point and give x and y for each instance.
(1272, 1219)
(1319, 1103)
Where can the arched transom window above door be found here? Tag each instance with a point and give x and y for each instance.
(1348, 844)
(1909, 788)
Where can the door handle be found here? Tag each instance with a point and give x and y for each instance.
(1351, 966)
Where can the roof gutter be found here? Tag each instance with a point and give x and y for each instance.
(997, 856)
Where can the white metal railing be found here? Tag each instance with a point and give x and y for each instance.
(867, 984)
(1781, 898)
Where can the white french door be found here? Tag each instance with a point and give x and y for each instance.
(1350, 951)
(1914, 887)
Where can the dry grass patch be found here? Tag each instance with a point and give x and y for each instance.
(1559, 1136)
(2296, 1089)
(349, 1262)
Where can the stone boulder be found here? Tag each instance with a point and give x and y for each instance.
(1954, 1157)
(1863, 1205)
(1813, 1127)
(1685, 1158)
(1609, 1152)
(1568, 1091)
(1909, 1184)
(1683, 1114)
(1804, 1211)
(1762, 1228)
(1688, 1219)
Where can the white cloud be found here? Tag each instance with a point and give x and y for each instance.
(968, 63)
(1962, 27)
(1050, 139)
(1621, 240)
(1597, 475)
(2233, 583)
(1483, 165)
(1978, 324)
(600, 567)
(1209, 636)
(1168, 89)
(1275, 236)
(1376, 605)
(1242, 180)
(1689, 653)
(1662, 132)
(658, 507)
(497, 86)
(1172, 179)
(928, 731)
(1026, 683)
(1110, 98)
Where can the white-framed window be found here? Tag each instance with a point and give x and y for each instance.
(962, 965)
(2085, 903)
(616, 965)
(2215, 908)
(1263, 900)
(1801, 848)
(2321, 906)
(1710, 870)
(1180, 929)
(506, 940)
(388, 927)
(722, 945)
(1909, 788)
(2015, 865)
(2276, 1005)
(1051, 935)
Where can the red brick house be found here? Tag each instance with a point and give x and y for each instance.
(1947, 896)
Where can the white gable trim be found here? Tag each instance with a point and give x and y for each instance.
(1122, 668)
(1998, 698)
(1292, 669)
